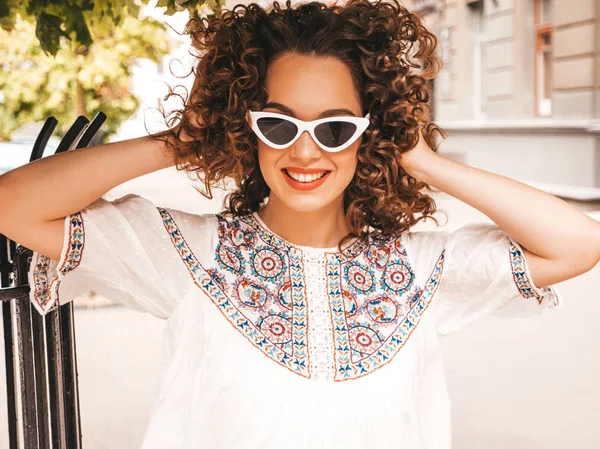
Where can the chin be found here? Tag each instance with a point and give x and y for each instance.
(302, 202)
(305, 204)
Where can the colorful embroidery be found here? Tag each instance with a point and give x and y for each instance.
(374, 311)
(45, 292)
(259, 288)
(372, 304)
(522, 280)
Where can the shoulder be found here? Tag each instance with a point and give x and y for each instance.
(148, 211)
(208, 235)
(425, 251)
(432, 242)
(189, 221)
(424, 244)
(189, 232)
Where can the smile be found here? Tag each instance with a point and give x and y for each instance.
(305, 181)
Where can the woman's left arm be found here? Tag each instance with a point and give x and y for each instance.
(559, 241)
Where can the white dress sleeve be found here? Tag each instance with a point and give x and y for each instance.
(121, 249)
(484, 272)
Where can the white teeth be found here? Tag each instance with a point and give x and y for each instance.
(304, 177)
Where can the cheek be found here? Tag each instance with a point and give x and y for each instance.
(267, 160)
(346, 165)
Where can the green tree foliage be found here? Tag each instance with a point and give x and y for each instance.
(74, 19)
(78, 79)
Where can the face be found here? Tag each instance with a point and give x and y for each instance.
(304, 87)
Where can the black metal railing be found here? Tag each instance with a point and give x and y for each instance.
(41, 360)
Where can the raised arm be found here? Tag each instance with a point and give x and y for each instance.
(559, 242)
(36, 197)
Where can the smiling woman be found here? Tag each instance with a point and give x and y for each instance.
(292, 80)
(308, 313)
(279, 62)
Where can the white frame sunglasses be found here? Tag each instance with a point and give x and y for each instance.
(361, 125)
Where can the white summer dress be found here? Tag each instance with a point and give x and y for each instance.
(272, 345)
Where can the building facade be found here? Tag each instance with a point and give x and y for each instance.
(519, 91)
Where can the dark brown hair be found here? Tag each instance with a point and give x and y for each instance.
(382, 43)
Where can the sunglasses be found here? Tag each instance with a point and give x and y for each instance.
(332, 134)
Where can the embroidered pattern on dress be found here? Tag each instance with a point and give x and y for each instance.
(45, 291)
(375, 305)
(258, 284)
(259, 288)
(266, 286)
(522, 280)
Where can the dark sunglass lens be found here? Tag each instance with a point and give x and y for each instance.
(335, 134)
(277, 130)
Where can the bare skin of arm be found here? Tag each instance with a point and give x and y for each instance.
(559, 241)
(36, 197)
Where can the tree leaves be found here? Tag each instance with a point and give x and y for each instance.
(73, 19)
(93, 44)
(35, 86)
(48, 32)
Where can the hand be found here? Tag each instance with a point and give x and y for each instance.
(416, 157)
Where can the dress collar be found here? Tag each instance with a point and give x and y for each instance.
(350, 249)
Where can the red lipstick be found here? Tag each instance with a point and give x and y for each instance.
(305, 185)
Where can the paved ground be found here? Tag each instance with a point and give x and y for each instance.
(519, 384)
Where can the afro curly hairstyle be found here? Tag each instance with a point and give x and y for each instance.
(382, 43)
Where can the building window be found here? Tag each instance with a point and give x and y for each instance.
(543, 56)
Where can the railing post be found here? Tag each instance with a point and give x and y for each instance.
(40, 352)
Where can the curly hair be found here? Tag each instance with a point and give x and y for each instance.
(382, 43)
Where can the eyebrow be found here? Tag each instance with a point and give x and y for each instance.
(327, 113)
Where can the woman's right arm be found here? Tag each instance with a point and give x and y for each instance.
(36, 197)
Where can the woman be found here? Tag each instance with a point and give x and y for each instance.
(307, 314)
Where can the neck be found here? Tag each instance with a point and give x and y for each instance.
(321, 228)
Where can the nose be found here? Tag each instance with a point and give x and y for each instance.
(305, 148)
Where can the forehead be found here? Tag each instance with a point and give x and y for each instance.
(310, 85)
